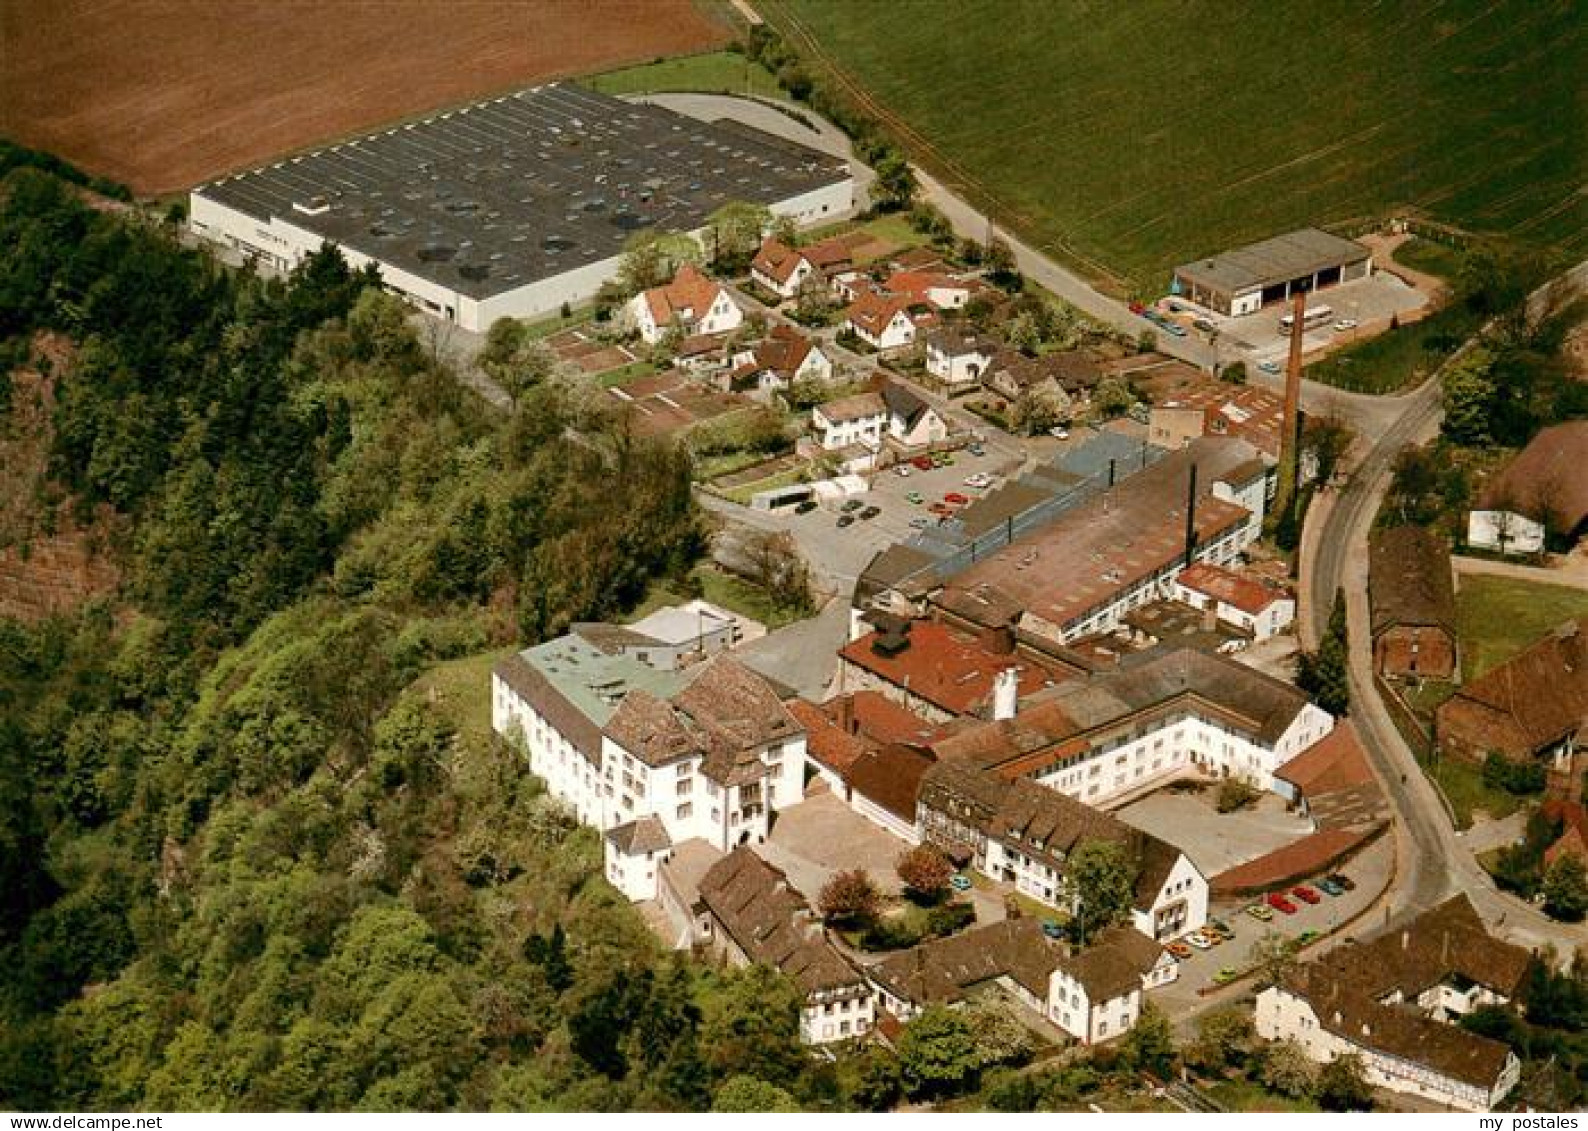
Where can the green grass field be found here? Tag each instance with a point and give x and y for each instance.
(1130, 137)
(717, 72)
(1497, 617)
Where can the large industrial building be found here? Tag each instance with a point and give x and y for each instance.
(513, 206)
(1247, 279)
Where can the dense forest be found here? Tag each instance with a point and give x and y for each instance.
(246, 861)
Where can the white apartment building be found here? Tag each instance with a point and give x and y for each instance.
(861, 419)
(707, 751)
(1097, 994)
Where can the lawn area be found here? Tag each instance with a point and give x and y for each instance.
(716, 72)
(1467, 792)
(623, 374)
(720, 588)
(462, 691)
(1244, 1095)
(1127, 138)
(1431, 257)
(1399, 358)
(1497, 617)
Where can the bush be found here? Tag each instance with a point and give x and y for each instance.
(1520, 778)
(948, 918)
(1236, 793)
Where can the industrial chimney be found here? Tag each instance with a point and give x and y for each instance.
(1006, 694)
(1191, 518)
(1289, 454)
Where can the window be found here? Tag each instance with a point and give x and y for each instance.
(685, 786)
(685, 811)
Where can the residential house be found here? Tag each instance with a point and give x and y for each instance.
(861, 419)
(691, 303)
(1018, 832)
(1532, 708)
(1246, 602)
(934, 288)
(1012, 955)
(912, 423)
(1540, 497)
(1067, 378)
(749, 914)
(1573, 839)
(786, 271)
(887, 323)
(1394, 1002)
(772, 365)
(708, 750)
(1097, 994)
(957, 357)
(1412, 595)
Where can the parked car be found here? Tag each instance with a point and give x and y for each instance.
(1259, 912)
(1343, 880)
(920, 522)
(978, 479)
(1305, 894)
(1199, 940)
(924, 463)
(806, 507)
(1221, 927)
(1137, 308)
(870, 513)
(1306, 937)
(1268, 366)
(1059, 433)
(845, 520)
(959, 882)
(1175, 307)
(942, 510)
(1204, 325)
(1225, 975)
(1172, 327)
(915, 497)
(1280, 904)
(1178, 951)
(902, 471)
(1051, 928)
(943, 459)
(976, 450)
(851, 506)
(1328, 886)
(1345, 324)
(954, 498)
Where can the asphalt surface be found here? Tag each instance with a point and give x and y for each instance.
(1433, 860)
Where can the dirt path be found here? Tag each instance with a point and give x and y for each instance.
(1383, 245)
(1571, 570)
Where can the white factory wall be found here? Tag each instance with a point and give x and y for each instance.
(279, 243)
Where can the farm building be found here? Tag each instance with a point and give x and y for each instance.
(514, 206)
(1247, 279)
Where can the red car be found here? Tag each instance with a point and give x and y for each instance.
(942, 510)
(1137, 308)
(1280, 904)
(924, 463)
(1305, 894)
(954, 498)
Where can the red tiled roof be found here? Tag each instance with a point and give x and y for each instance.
(882, 720)
(825, 740)
(690, 291)
(1245, 593)
(1526, 703)
(784, 351)
(1291, 863)
(1336, 761)
(872, 312)
(776, 260)
(950, 669)
(891, 777)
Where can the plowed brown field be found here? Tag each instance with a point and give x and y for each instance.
(164, 94)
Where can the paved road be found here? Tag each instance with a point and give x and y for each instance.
(1433, 859)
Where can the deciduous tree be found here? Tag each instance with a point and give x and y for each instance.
(925, 872)
(849, 897)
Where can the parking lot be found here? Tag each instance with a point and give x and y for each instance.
(1369, 303)
(839, 554)
(1369, 870)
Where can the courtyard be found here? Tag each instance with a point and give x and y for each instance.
(1215, 842)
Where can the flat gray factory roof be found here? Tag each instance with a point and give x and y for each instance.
(1273, 261)
(504, 193)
